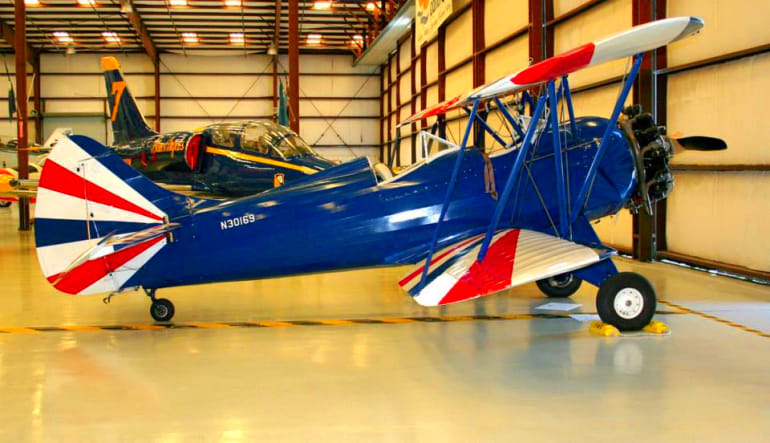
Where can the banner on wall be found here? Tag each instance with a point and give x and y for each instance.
(428, 17)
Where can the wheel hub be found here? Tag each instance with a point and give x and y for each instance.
(628, 303)
(161, 310)
(560, 281)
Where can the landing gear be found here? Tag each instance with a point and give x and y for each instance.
(562, 285)
(161, 309)
(627, 301)
(4, 204)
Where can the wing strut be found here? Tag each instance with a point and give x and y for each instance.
(450, 189)
(585, 189)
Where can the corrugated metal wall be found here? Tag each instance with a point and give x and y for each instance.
(718, 209)
(339, 104)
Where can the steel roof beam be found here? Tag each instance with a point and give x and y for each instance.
(140, 29)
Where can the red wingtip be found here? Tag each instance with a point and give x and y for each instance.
(557, 66)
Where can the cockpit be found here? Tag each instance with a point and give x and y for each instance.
(261, 137)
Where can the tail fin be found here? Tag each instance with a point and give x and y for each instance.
(128, 123)
(88, 199)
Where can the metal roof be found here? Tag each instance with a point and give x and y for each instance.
(211, 20)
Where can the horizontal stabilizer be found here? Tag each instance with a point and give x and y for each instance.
(515, 257)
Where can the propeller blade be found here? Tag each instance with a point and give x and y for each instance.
(702, 143)
(697, 143)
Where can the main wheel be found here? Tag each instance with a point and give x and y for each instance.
(562, 285)
(162, 309)
(627, 301)
(4, 204)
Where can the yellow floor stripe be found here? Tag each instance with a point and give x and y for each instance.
(145, 327)
(19, 330)
(335, 322)
(274, 324)
(715, 318)
(322, 322)
(206, 325)
(76, 328)
(396, 320)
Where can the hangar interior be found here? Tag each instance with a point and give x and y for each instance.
(348, 355)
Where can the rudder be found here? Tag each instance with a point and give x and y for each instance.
(128, 123)
(87, 196)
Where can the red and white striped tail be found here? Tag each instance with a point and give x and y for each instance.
(85, 195)
(514, 257)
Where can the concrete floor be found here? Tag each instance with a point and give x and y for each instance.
(525, 378)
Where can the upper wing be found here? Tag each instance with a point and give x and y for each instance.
(514, 257)
(625, 44)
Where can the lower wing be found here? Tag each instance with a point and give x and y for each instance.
(515, 257)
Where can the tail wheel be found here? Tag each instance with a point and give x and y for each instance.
(562, 285)
(162, 309)
(627, 301)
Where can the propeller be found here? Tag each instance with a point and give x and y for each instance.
(696, 143)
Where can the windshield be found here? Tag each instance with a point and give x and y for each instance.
(273, 139)
(291, 145)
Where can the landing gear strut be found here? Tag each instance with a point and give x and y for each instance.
(161, 308)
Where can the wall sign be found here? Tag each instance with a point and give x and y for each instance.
(428, 17)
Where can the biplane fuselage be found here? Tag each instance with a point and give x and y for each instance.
(343, 218)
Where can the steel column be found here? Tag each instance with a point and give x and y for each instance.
(442, 78)
(276, 40)
(294, 65)
(156, 77)
(36, 97)
(20, 36)
(645, 226)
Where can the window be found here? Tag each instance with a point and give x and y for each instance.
(224, 135)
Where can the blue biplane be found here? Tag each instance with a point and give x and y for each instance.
(102, 227)
(228, 159)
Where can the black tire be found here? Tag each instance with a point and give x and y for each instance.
(162, 309)
(562, 285)
(634, 309)
(4, 204)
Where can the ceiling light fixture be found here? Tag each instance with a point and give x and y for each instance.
(322, 5)
(177, 2)
(63, 37)
(32, 2)
(314, 39)
(371, 6)
(272, 49)
(111, 37)
(358, 40)
(233, 3)
(236, 38)
(87, 2)
(189, 37)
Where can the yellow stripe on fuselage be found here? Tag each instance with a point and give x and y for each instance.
(256, 159)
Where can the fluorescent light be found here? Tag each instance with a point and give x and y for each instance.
(189, 37)
(87, 2)
(111, 37)
(63, 37)
(233, 3)
(32, 2)
(322, 5)
(237, 38)
(177, 2)
(371, 6)
(314, 39)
